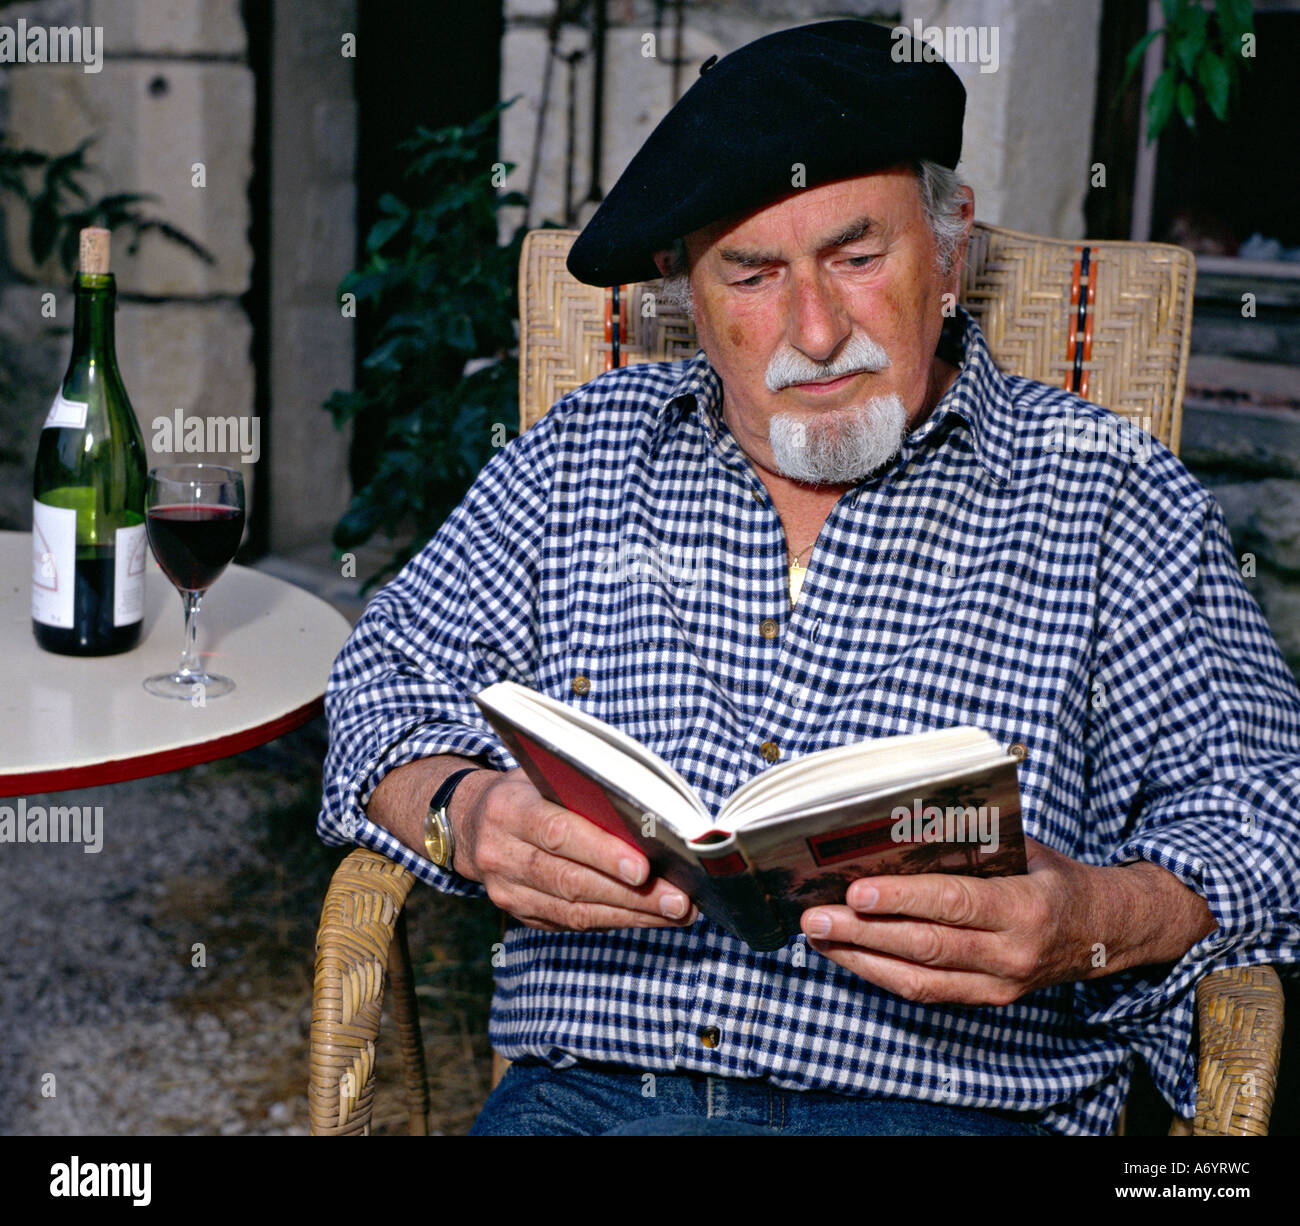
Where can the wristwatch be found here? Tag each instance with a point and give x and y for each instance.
(439, 841)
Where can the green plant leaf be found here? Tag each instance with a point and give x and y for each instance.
(1188, 48)
(382, 231)
(1160, 104)
(1187, 104)
(1134, 57)
(1216, 81)
(441, 291)
(1235, 18)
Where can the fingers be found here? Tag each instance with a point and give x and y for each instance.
(540, 910)
(992, 904)
(571, 836)
(574, 886)
(922, 984)
(921, 943)
(550, 867)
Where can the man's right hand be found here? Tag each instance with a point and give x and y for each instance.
(551, 868)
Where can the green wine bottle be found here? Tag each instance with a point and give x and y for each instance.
(88, 535)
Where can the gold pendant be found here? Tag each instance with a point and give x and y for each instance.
(797, 573)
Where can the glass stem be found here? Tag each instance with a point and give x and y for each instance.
(190, 665)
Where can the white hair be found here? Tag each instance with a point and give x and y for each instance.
(941, 201)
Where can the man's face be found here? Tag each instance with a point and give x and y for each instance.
(821, 314)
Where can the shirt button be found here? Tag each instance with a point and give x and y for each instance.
(581, 684)
(710, 1036)
(770, 750)
(757, 496)
(1017, 750)
(768, 628)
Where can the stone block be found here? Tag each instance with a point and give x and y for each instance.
(334, 135)
(34, 353)
(638, 95)
(313, 356)
(154, 121)
(1264, 519)
(1255, 441)
(1028, 128)
(1280, 601)
(324, 241)
(170, 27)
(316, 33)
(48, 13)
(195, 357)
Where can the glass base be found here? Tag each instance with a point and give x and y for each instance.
(194, 688)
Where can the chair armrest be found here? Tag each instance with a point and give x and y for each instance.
(361, 938)
(1239, 1031)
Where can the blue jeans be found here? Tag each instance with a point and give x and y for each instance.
(595, 1100)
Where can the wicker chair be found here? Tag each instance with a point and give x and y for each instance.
(1111, 320)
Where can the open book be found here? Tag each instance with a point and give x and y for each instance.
(792, 837)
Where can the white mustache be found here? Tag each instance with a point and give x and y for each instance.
(789, 366)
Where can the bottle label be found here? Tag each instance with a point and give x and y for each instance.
(128, 575)
(66, 414)
(54, 564)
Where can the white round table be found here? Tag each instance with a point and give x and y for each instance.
(74, 721)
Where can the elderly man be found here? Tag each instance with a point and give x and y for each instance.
(843, 422)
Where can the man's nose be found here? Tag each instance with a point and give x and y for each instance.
(819, 324)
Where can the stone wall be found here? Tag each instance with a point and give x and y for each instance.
(1033, 110)
(1241, 430)
(313, 244)
(172, 113)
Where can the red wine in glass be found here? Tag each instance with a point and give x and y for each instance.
(194, 514)
(194, 544)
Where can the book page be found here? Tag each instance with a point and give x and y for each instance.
(857, 769)
(618, 759)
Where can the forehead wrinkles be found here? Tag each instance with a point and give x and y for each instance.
(814, 220)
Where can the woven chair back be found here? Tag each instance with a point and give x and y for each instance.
(1124, 345)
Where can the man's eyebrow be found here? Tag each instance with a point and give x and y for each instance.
(748, 257)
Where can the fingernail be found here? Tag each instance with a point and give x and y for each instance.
(818, 925)
(673, 906)
(864, 897)
(630, 871)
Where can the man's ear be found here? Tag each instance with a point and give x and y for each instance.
(968, 220)
(967, 209)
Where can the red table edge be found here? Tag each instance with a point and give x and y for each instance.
(117, 770)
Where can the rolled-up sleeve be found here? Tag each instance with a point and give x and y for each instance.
(1202, 704)
(461, 615)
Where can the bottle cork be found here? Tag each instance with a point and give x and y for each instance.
(94, 250)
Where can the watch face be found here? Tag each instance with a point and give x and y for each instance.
(436, 841)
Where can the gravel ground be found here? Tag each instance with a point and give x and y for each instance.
(163, 984)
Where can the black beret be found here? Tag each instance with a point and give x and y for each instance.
(831, 97)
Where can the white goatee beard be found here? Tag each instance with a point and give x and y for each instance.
(841, 445)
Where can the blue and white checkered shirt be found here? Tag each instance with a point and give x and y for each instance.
(1021, 566)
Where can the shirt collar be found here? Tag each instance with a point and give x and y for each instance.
(979, 398)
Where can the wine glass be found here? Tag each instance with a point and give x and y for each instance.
(195, 517)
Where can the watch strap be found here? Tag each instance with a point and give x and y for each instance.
(437, 817)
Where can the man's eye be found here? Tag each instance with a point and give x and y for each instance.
(859, 261)
(756, 279)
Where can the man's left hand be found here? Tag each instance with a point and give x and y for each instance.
(934, 937)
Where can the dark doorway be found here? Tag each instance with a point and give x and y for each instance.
(434, 64)
(1226, 182)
